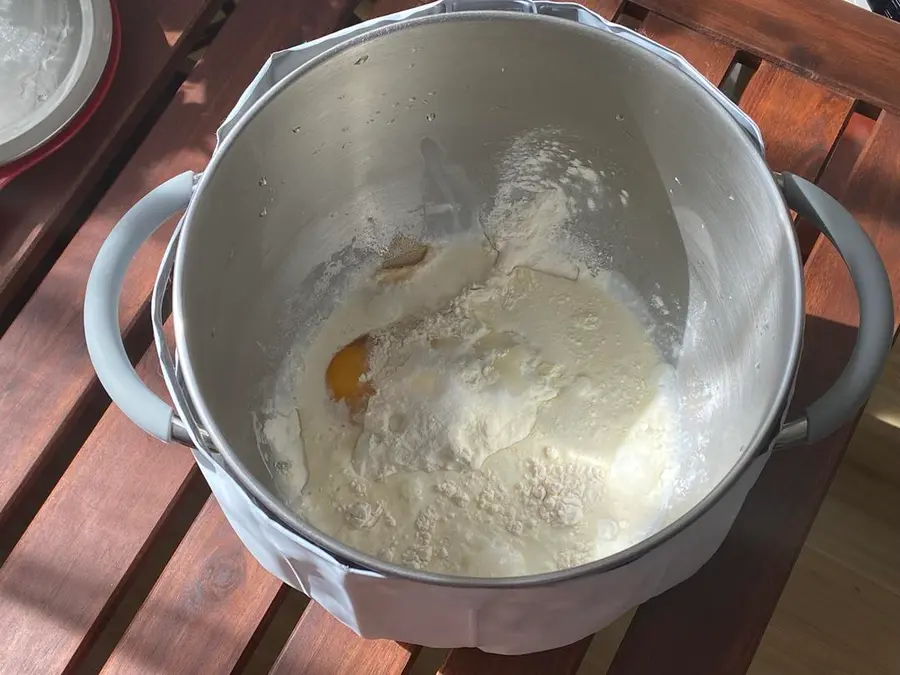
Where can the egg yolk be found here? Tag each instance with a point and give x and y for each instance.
(346, 376)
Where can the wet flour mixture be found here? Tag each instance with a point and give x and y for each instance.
(495, 414)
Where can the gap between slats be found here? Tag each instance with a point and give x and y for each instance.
(839, 164)
(205, 611)
(321, 644)
(271, 637)
(830, 40)
(630, 15)
(150, 566)
(72, 566)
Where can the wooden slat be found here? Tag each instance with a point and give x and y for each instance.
(605, 8)
(713, 622)
(710, 57)
(799, 119)
(156, 36)
(322, 645)
(204, 609)
(562, 661)
(800, 123)
(44, 369)
(61, 578)
(831, 620)
(842, 46)
(85, 540)
(838, 167)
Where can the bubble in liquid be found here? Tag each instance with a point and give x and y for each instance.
(620, 117)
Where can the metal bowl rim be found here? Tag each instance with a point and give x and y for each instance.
(344, 554)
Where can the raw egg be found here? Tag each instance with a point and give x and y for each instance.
(346, 375)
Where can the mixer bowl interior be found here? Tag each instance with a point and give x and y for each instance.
(331, 166)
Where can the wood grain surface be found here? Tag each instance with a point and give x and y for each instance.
(322, 645)
(710, 57)
(205, 608)
(46, 376)
(562, 661)
(712, 623)
(831, 41)
(156, 37)
(79, 550)
(799, 119)
(837, 169)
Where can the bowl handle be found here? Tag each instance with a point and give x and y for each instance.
(876, 313)
(101, 305)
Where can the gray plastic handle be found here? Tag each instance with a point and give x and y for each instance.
(876, 313)
(101, 305)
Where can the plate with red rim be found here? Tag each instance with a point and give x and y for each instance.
(56, 62)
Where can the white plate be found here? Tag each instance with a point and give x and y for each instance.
(52, 55)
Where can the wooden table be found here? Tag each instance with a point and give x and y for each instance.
(114, 557)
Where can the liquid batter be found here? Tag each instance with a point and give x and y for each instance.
(478, 419)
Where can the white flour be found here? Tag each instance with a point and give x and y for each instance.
(521, 421)
(541, 182)
(449, 393)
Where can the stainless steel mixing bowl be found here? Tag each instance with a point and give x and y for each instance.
(333, 154)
